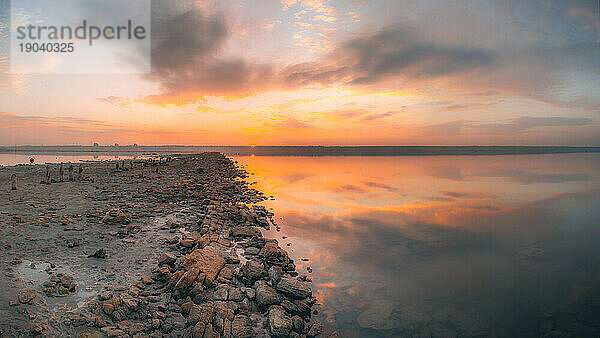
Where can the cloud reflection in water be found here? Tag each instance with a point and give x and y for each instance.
(444, 245)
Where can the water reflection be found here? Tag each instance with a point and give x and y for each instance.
(444, 246)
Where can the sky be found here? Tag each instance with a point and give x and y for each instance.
(327, 72)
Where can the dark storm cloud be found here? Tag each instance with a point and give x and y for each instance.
(186, 60)
(392, 52)
(515, 55)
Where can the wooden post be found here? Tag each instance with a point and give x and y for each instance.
(13, 178)
(61, 172)
(80, 172)
(71, 173)
(48, 179)
(117, 165)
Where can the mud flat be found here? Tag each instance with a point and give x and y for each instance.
(144, 248)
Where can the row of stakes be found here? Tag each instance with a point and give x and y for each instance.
(119, 165)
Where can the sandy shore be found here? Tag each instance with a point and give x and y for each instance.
(144, 248)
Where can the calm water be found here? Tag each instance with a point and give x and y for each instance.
(14, 159)
(470, 245)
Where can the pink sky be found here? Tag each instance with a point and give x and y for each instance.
(351, 72)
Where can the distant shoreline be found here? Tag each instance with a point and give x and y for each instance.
(302, 150)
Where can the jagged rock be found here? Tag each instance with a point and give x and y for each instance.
(115, 216)
(162, 274)
(316, 328)
(298, 324)
(235, 295)
(280, 323)
(290, 307)
(252, 271)
(241, 327)
(246, 231)
(187, 279)
(275, 255)
(108, 308)
(221, 293)
(275, 273)
(200, 313)
(255, 242)
(294, 288)
(59, 285)
(206, 261)
(252, 251)
(166, 258)
(112, 331)
(104, 295)
(304, 306)
(188, 242)
(266, 296)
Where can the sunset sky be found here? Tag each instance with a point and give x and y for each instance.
(326, 72)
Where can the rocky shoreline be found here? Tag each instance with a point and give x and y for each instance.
(146, 248)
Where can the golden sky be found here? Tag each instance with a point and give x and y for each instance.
(329, 72)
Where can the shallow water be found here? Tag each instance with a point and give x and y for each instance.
(443, 245)
(17, 158)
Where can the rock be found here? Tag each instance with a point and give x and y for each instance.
(108, 308)
(112, 331)
(221, 292)
(252, 251)
(304, 306)
(200, 314)
(316, 328)
(252, 271)
(280, 323)
(250, 293)
(275, 255)
(162, 274)
(166, 258)
(115, 216)
(294, 288)
(226, 273)
(298, 324)
(290, 307)
(100, 253)
(187, 279)
(246, 232)
(235, 295)
(275, 273)
(241, 327)
(172, 224)
(208, 263)
(187, 242)
(26, 296)
(256, 242)
(266, 296)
